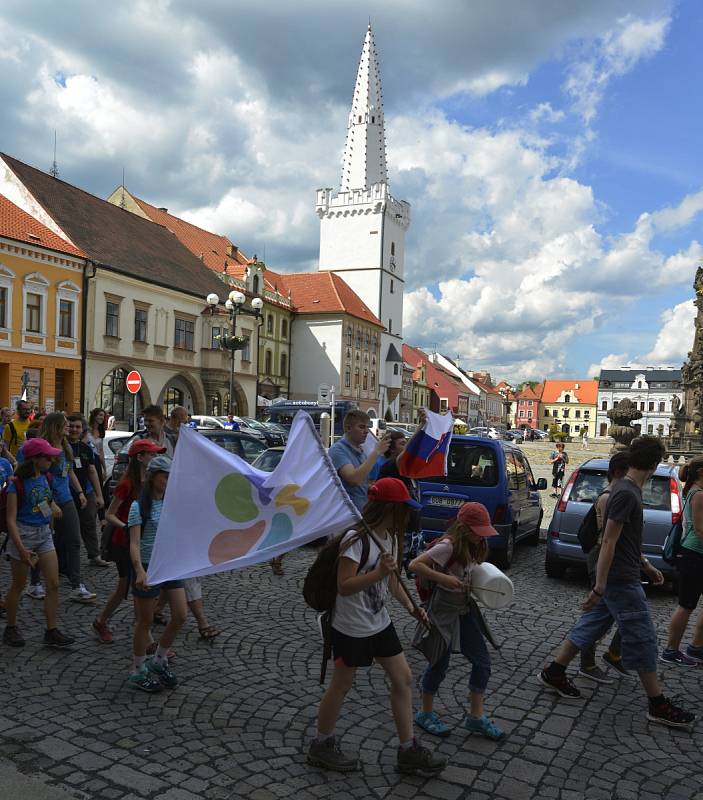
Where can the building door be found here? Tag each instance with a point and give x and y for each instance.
(603, 429)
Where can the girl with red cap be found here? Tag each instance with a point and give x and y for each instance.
(456, 618)
(30, 507)
(362, 631)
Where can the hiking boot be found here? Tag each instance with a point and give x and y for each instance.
(145, 682)
(103, 632)
(418, 759)
(484, 726)
(696, 653)
(560, 683)
(678, 658)
(36, 591)
(160, 670)
(429, 721)
(54, 638)
(616, 664)
(595, 674)
(328, 755)
(667, 713)
(12, 636)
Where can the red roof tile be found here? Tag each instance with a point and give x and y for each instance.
(440, 381)
(531, 394)
(17, 224)
(325, 292)
(587, 393)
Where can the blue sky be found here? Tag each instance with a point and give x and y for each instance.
(549, 151)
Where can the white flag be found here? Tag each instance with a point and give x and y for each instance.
(220, 514)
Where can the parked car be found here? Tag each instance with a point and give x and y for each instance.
(204, 421)
(237, 442)
(269, 459)
(514, 435)
(538, 434)
(494, 473)
(272, 437)
(662, 507)
(113, 443)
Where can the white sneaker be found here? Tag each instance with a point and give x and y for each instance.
(99, 562)
(36, 591)
(82, 595)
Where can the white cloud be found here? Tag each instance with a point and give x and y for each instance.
(675, 336)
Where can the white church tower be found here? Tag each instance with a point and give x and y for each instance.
(362, 227)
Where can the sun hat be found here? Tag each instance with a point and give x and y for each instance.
(145, 446)
(39, 447)
(392, 490)
(159, 464)
(475, 516)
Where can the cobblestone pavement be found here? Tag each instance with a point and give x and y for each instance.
(238, 724)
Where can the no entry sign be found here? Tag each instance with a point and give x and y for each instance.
(134, 382)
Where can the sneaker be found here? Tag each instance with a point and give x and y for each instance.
(36, 591)
(103, 632)
(54, 638)
(82, 595)
(616, 664)
(484, 726)
(152, 647)
(160, 670)
(696, 653)
(561, 684)
(328, 755)
(418, 759)
(145, 682)
(595, 674)
(429, 721)
(99, 562)
(12, 636)
(666, 713)
(678, 658)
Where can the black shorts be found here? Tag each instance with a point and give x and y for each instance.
(557, 480)
(120, 555)
(357, 651)
(690, 569)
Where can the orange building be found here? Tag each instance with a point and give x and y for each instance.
(570, 405)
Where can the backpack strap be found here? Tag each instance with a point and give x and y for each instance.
(13, 433)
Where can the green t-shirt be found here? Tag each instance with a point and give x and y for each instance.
(691, 540)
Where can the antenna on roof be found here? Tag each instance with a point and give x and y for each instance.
(54, 171)
(122, 203)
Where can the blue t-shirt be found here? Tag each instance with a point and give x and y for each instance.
(60, 484)
(146, 544)
(343, 452)
(5, 470)
(36, 500)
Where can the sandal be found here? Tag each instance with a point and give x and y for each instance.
(209, 633)
(160, 619)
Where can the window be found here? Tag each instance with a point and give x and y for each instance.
(522, 413)
(4, 305)
(172, 397)
(284, 329)
(642, 405)
(578, 414)
(650, 405)
(66, 319)
(373, 382)
(269, 324)
(349, 336)
(604, 405)
(114, 396)
(358, 338)
(392, 290)
(284, 364)
(443, 404)
(469, 465)
(615, 404)
(554, 412)
(392, 248)
(395, 369)
(566, 413)
(33, 323)
(246, 350)
(185, 335)
(365, 380)
(529, 403)
(140, 320)
(347, 378)
(662, 406)
(214, 334)
(577, 428)
(356, 377)
(639, 384)
(529, 415)
(586, 414)
(390, 325)
(567, 398)
(268, 362)
(255, 284)
(367, 341)
(650, 428)
(112, 319)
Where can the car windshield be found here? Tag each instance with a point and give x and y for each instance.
(590, 483)
(470, 465)
(269, 461)
(253, 423)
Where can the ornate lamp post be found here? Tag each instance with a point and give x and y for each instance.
(230, 341)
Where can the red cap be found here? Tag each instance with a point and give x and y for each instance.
(145, 446)
(392, 490)
(475, 516)
(39, 447)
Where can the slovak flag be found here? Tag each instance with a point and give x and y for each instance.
(425, 455)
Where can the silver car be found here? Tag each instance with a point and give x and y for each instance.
(662, 508)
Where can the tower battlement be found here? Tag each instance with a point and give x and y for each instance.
(372, 200)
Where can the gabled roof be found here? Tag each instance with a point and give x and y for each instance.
(117, 239)
(22, 227)
(587, 393)
(442, 383)
(528, 393)
(393, 354)
(325, 292)
(484, 387)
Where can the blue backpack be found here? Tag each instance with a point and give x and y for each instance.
(673, 543)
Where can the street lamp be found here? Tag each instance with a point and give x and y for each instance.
(230, 341)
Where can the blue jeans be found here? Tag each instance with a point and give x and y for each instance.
(473, 648)
(626, 605)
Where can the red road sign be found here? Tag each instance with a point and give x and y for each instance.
(134, 382)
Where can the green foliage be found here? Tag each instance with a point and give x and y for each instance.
(557, 435)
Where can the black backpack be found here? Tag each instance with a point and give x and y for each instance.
(320, 585)
(588, 529)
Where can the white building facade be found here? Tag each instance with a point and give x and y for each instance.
(362, 226)
(652, 390)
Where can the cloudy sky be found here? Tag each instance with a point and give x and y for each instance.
(550, 150)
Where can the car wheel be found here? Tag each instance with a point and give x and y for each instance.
(554, 569)
(533, 538)
(504, 558)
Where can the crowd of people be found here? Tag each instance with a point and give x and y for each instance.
(57, 499)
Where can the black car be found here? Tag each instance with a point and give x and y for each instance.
(237, 442)
(273, 437)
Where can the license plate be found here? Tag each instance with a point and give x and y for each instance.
(452, 502)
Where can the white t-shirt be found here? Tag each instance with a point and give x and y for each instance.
(441, 554)
(364, 613)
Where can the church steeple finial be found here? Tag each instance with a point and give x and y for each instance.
(365, 150)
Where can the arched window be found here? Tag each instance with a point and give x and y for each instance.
(172, 397)
(395, 369)
(284, 328)
(365, 381)
(115, 398)
(567, 398)
(268, 362)
(284, 364)
(215, 405)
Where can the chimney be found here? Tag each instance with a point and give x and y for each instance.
(165, 210)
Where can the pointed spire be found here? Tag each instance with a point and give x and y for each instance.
(365, 150)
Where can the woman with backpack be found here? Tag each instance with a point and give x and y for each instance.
(689, 565)
(126, 492)
(30, 506)
(153, 674)
(362, 631)
(448, 564)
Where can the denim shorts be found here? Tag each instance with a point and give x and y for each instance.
(152, 592)
(36, 538)
(627, 606)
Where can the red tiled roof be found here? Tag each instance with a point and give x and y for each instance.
(531, 394)
(440, 381)
(325, 292)
(17, 224)
(484, 387)
(587, 393)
